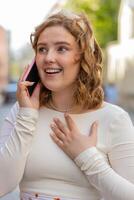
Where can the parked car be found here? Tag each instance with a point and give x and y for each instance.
(10, 92)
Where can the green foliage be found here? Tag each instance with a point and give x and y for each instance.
(103, 15)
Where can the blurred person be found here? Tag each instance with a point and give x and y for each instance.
(111, 93)
(64, 142)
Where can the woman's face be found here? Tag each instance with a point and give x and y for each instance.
(58, 59)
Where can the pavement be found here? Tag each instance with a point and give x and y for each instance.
(3, 112)
(12, 196)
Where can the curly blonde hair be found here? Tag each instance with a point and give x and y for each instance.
(89, 93)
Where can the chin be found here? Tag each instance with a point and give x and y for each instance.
(52, 87)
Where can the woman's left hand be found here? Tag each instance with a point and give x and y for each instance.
(69, 138)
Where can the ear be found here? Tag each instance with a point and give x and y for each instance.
(78, 56)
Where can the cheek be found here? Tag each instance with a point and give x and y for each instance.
(75, 61)
(38, 63)
(73, 72)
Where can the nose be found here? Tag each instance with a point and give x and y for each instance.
(50, 57)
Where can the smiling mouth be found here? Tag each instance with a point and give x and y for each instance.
(53, 70)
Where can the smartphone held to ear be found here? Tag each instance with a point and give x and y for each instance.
(31, 75)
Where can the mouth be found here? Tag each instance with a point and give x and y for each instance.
(53, 70)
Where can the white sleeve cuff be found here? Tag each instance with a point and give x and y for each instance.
(86, 155)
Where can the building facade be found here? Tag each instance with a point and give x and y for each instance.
(4, 58)
(120, 56)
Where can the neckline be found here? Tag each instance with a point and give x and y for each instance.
(104, 106)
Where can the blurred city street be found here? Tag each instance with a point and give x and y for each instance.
(12, 196)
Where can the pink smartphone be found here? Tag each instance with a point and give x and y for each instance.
(31, 75)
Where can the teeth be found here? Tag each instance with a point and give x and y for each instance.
(53, 70)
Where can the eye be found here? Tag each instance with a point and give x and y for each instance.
(62, 49)
(42, 49)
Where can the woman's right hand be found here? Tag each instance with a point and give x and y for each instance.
(23, 97)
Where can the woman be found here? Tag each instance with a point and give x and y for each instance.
(50, 144)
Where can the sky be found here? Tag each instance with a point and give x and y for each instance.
(20, 17)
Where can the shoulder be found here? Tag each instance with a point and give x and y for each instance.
(120, 128)
(113, 111)
(115, 115)
(120, 121)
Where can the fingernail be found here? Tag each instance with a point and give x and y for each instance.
(32, 83)
(51, 134)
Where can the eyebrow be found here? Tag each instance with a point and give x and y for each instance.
(62, 42)
(56, 43)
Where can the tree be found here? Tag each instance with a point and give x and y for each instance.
(103, 14)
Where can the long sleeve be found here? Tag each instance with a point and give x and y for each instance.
(116, 179)
(15, 145)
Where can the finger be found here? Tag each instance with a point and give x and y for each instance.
(22, 87)
(61, 126)
(70, 122)
(56, 140)
(60, 135)
(25, 83)
(93, 130)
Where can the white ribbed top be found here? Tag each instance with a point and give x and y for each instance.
(47, 170)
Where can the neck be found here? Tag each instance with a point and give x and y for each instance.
(62, 102)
